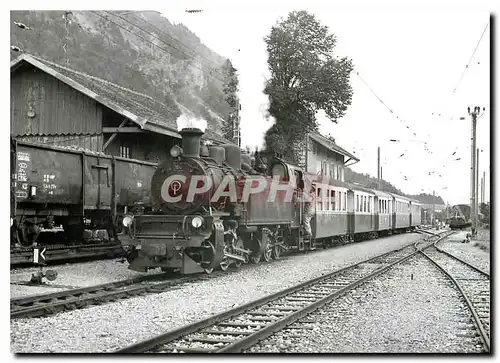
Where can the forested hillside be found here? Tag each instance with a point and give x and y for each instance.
(141, 51)
(367, 181)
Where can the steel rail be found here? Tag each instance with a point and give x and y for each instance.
(252, 339)
(462, 261)
(477, 321)
(41, 305)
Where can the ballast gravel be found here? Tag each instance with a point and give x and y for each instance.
(470, 252)
(112, 326)
(412, 308)
(82, 274)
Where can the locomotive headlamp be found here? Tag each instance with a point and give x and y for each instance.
(127, 220)
(197, 222)
(175, 151)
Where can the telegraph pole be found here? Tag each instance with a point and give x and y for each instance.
(477, 184)
(433, 208)
(483, 182)
(378, 167)
(473, 168)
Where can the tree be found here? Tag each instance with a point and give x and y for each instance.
(485, 211)
(305, 78)
(230, 89)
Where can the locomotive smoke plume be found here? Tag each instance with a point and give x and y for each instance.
(185, 121)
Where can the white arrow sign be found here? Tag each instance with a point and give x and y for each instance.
(38, 257)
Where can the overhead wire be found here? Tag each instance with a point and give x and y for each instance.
(157, 46)
(471, 57)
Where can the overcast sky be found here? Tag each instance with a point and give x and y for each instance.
(412, 58)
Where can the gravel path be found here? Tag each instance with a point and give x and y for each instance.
(391, 314)
(112, 326)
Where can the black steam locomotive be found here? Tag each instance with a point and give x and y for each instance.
(241, 215)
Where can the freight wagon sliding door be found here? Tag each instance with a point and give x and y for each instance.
(97, 182)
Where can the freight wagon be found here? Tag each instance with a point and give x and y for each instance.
(84, 192)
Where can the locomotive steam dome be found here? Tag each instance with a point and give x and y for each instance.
(175, 180)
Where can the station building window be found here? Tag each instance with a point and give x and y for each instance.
(125, 152)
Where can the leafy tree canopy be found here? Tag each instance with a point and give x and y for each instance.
(305, 77)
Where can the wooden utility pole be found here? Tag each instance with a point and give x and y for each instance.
(433, 208)
(378, 168)
(378, 162)
(483, 182)
(473, 169)
(477, 184)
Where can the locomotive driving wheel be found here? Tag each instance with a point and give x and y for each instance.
(255, 259)
(224, 264)
(268, 252)
(276, 251)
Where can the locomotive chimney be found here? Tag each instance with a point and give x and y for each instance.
(191, 137)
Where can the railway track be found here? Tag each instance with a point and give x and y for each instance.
(53, 253)
(47, 304)
(472, 283)
(41, 305)
(242, 327)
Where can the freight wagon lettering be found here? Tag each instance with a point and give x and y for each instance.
(21, 194)
(23, 156)
(25, 186)
(49, 186)
(22, 178)
(139, 184)
(48, 177)
(23, 165)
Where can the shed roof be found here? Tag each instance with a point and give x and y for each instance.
(316, 136)
(145, 111)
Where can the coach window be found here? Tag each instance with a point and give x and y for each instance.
(344, 204)
(332, 200)
(320, 200)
